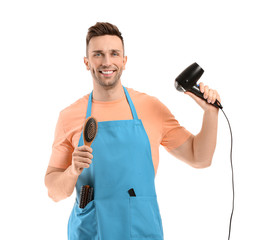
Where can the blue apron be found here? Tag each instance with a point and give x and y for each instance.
(122, 161)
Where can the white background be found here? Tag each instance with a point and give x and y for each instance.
(42, 71)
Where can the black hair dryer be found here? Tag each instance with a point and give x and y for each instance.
(186, 81)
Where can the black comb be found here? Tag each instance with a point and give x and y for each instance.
(90, 130)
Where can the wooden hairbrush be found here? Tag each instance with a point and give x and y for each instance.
(89, 133)
(90, 130)
(86, 195)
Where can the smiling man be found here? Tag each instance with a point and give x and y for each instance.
(106, 60)
(131, 127)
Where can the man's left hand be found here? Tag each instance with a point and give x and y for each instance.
(209, 94)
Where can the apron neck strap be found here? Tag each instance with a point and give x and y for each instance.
(89, 105)
(132, 107)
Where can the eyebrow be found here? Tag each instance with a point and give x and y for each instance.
(112, 50)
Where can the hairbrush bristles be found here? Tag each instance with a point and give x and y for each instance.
(83, 196)
(86, 195)
(90, 130)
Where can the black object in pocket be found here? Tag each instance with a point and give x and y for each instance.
(131, 192)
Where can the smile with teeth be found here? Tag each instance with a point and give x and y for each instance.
(107, 72)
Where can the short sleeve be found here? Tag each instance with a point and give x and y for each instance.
(173, 134)
(62, 149)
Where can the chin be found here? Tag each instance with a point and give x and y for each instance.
(108, 83)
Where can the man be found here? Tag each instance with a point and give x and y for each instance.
(131, 126)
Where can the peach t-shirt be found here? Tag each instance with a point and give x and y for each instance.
(160, 125)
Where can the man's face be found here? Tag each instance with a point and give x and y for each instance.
(106, 60)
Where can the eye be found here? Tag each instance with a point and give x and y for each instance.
(97, 54)
(115, 54)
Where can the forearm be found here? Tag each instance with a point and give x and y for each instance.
(204, 143)
(60, 185)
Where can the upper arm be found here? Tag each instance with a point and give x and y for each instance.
(62, 148)
(185, 152)
(173, 134)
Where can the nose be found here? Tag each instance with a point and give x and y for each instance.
(106, 61)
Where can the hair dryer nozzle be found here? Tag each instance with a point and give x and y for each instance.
(179, 87)
(188, 77)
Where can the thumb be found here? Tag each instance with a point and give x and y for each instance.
(192, 95)
(198, 100)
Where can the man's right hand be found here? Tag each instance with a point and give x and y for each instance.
(81, 158)
(61, 182)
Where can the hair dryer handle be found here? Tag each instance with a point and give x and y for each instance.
(196, 91)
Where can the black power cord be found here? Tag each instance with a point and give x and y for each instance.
(186, 81)
(232, 170)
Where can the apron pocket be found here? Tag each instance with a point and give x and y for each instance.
(83, 223)
(145, 220)
(89, 209)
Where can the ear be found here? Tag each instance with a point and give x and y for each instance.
(86, 62)
(124, 62)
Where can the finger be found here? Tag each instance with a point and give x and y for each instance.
(201, 87)
(193, 96)
(78, 160)
(210, 96)
(206, 90)
(82, 154)
(190, 94)
(218, 96)
(80, 165)
(214, 97)
(85, 148)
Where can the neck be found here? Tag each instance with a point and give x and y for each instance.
(105, 94)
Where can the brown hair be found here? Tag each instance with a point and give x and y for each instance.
(101, 29)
